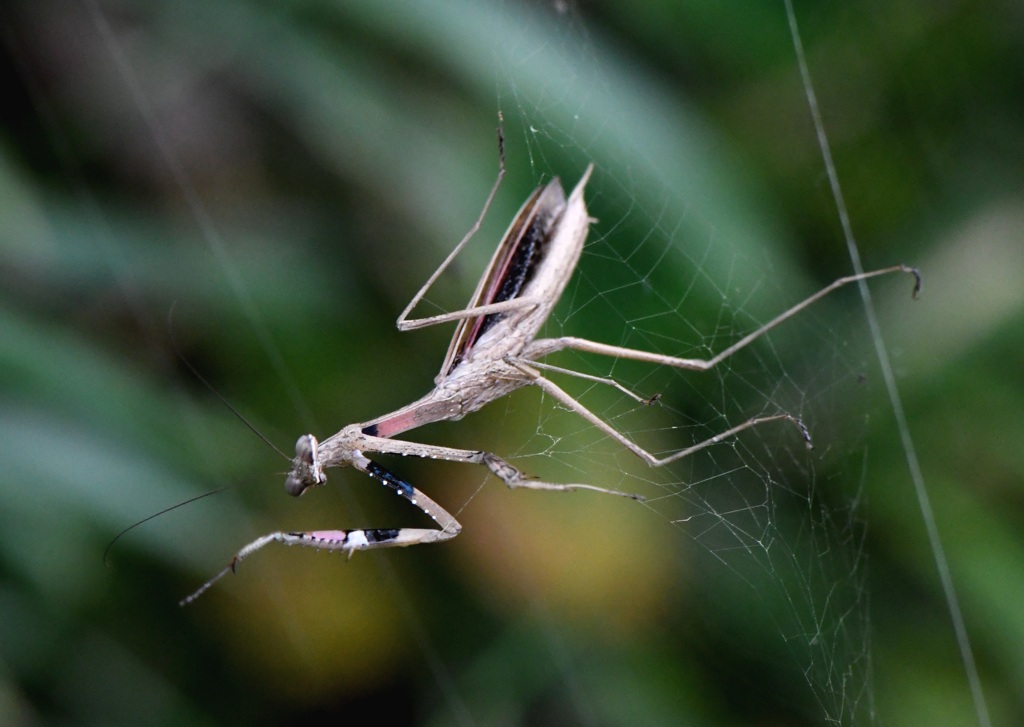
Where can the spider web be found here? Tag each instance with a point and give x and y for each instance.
(753, 506)
(747, 525)
(681, 266)
(738, 591)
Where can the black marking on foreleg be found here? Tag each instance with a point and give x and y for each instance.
(381, 535)
(450, 527)
(390, 479)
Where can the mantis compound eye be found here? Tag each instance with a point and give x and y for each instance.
(294, 486)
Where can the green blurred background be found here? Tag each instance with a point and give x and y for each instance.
(264, 186)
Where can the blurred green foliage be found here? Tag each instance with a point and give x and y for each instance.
(262, 186)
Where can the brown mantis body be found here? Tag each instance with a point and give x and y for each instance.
(494, 352)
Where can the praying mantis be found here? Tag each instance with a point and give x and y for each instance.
(495, 351)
